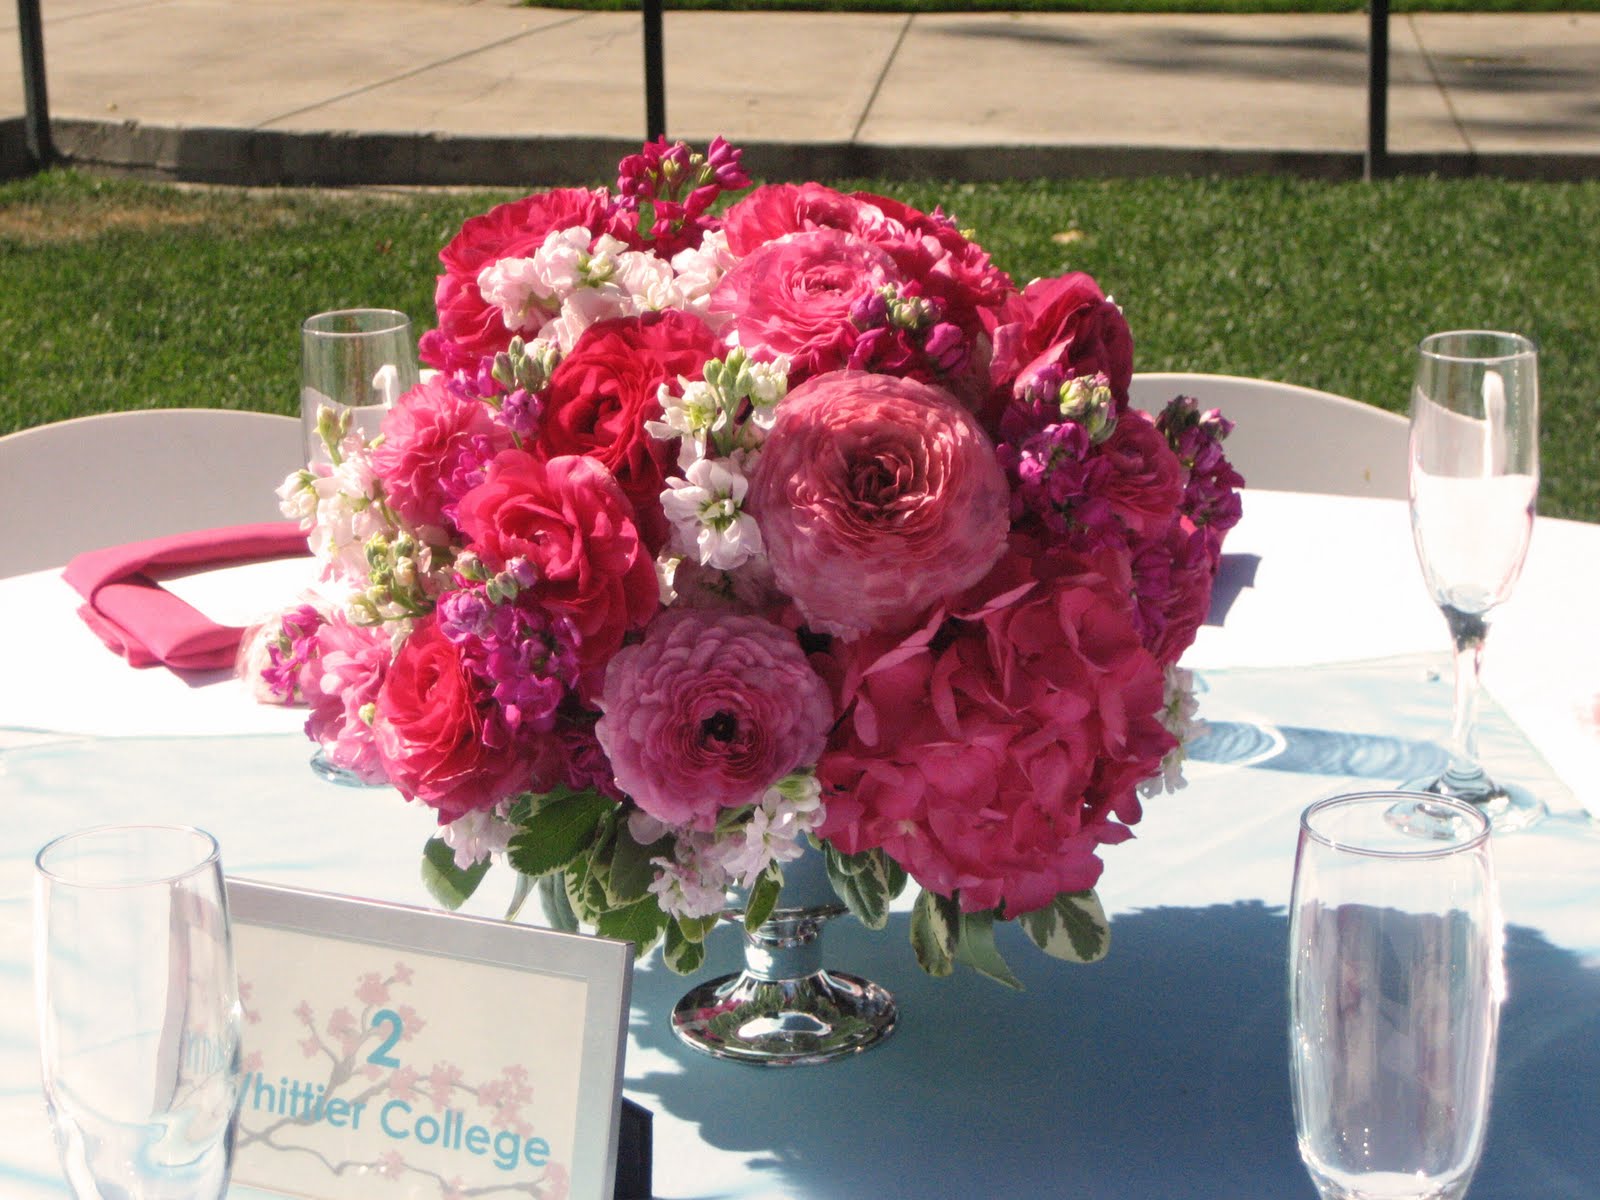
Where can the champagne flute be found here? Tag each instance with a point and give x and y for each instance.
(138, 1011)
(1474, 474)
(1396, 978)
(354, 363)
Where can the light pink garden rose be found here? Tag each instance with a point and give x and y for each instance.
(877, 498)
(340, 681)
(709, 711)
(993, 759)
(795, 296)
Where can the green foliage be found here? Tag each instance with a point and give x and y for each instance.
(126, 295)
(866, 882)
(447, 883)
(1073, 928)
(763, 898)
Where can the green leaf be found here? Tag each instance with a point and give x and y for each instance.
(1073, 928)
(553, 899)
(864, 882)
(641, 923)
(519, 895)
(763, 897)
(683, 953)
(631, 873)
(559, 830)
(977, 949)
(696, 929)
(586, 893)
(935, 929)
(446, 882)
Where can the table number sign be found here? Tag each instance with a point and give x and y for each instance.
(394, 1053)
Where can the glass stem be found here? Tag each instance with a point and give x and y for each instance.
(1465, 778)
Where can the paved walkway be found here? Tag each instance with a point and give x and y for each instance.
(481, 91)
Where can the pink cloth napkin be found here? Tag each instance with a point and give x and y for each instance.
(148, 625)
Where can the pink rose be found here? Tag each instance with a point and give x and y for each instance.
(429, 731)
(877, 498)
(567, 518)
(604, 391)
(1063, 321)
(989, 753)
(795, 296)
(1145, 482)
(469, 327)
(436, 440)
(343, 679)
(708, 712)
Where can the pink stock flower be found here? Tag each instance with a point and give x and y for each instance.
(470, 328)
(429, 731)
(988, 753)
(797, 297)
(708, 712)
(877, 498)
(345, 679)
(568, 519)
(605, 390)
(436, 440)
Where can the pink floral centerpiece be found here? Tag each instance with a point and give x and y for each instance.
(713, 537)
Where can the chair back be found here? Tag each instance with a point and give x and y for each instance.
(120, 477)
(1294, 439)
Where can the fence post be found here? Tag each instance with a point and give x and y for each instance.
(37, 104)
(1377, 161)
(655, 86)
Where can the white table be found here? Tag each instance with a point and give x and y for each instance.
(1159, 1073)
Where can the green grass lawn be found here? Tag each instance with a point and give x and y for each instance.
(115, 294)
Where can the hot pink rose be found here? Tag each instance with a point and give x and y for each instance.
(795, 296)
(342, 680)
(570, 520)
(1062, 321)
(709, 711)
(1146, 479)
(988, 754)
(429, 731)
(604, 391)
(469, 327)
(877, 498)
(435, 440)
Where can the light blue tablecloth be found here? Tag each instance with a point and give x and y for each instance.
(1158, 1074)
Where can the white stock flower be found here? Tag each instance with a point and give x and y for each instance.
(706, 516)
(699, 270)
(691, 417)
(476, 836)
(1179, 716)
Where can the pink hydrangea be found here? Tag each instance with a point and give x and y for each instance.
(708, 712)
(990, 753)
(877, 498)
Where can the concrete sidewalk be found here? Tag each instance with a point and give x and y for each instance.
(483, 92)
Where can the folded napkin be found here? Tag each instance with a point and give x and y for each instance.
(149, 626)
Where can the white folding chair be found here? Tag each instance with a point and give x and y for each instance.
(1294, 439)
(120, 477)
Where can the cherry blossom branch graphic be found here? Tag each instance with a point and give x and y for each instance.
(358, 1047)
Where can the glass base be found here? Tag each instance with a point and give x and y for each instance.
(325, 770)
(1509, 809)
(784, 1022)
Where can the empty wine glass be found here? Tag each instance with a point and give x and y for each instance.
(1395, 984)
(354, 363)
(138, 1012)
(1474, 471)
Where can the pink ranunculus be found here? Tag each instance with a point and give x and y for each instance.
(342, 680)
(877, 498)
(989, 753)
(470, 328)
(709, 711)
(795, 296)
(603, 392)
(429, 731)
(1064, 321)
(776, 210)
(434, 439)
(569, 519)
